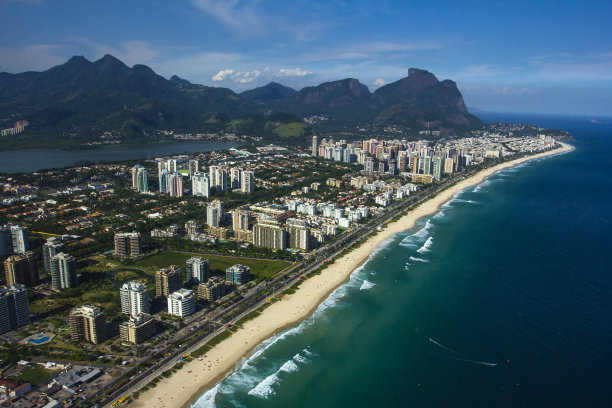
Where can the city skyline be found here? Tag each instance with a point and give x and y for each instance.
(505, 57)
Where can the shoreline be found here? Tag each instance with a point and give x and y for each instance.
(187, 385)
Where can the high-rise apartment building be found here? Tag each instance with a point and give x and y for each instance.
(21, 269)
(215, 213)
(140, 180)
(437, 168)
(63, 271)
(128, 244)
(164, 181)
(248, 182)
(87, 323)
(19, 236)
(194, 167)
(198, 269)
(200, 185)
(181, 303)
(134, 298)
(235, 177)
(368, 165)
(52, 247)
(218, 178)
(13, 240)
(240, 219)
(238, 274)
(268, 233)
(14, 308)
(168, 280)
(137, 329)
(6, 241)
(175, 185)
(212, 290)
(299, 234)
(135, 176)
(315, 146)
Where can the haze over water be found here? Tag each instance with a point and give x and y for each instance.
(503, 298)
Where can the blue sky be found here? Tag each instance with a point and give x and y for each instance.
(517, 56)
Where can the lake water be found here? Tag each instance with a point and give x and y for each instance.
(30, 160)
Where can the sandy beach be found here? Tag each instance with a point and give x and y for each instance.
(183, 387)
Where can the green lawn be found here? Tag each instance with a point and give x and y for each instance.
(260, 268)
(35, 375)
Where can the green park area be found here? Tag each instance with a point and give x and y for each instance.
(100, 278)
(35, 375)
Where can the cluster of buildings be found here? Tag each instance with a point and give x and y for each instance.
(88, 323)
(425, 161)
(20, 269)
(203, 183)
(18, 128)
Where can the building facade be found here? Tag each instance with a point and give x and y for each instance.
(238, 274)
(198, 269)
(21, 269)
(168, 280)
(137, 329)
(181, 303)
(269, 233)
(88, 323)
(248, 182)
(134, 298)
(128, 244)
(212, 290)
(64, 271)
(200, 185)
(52, 247)
(14, 308)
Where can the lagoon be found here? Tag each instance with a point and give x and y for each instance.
(31, 160)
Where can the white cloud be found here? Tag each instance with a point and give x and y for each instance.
(297, 72)
(223, 75)
(380, 82)
(244, 77)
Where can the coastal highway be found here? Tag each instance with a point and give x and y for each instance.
(256, 296)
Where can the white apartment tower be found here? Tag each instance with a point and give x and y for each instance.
(200, 185)
(198, 269)
(134, 298)
(181, 303)
(248, 182)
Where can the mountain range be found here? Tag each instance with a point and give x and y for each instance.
(81, 98)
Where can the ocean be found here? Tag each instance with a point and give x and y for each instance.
(501, 299)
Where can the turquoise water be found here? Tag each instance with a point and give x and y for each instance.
(501, 299)
(39, 340)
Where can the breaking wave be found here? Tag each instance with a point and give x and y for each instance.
(425, 248)
(367, 285)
